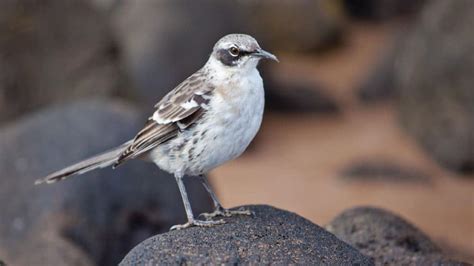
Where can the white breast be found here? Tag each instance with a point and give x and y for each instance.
(231, 121)
(235, 115)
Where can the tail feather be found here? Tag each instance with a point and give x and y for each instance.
(102, 160)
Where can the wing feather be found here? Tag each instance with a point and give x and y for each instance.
(177, 111)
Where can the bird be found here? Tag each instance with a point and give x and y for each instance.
(208, 119)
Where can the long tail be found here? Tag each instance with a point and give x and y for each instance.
(102, 160)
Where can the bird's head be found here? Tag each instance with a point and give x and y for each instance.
(239, 52)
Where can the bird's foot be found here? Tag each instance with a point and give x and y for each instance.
(196, 223)
(226, 213)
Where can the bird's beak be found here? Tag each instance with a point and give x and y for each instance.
(265, 55)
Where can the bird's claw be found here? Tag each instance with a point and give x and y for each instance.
(226, 213)
(196, 223)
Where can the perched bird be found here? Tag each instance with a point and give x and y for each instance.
(207, 120)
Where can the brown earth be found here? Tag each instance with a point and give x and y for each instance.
(296, 161)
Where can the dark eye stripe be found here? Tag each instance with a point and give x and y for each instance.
(244, 53)
(228, 59)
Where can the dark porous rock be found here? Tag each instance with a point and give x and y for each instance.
(54, 51)
(434, 79)
(271, 236)
(383, 170)
(94, 218)
(387, 238)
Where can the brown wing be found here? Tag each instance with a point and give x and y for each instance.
(177, 111)
(184, 100)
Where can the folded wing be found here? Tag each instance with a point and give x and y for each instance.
(178, 110)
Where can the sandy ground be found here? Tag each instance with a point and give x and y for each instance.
(296, 161)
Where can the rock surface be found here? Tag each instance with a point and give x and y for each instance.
(387, 238)
(97, 217)
(54, 51)
(271, 236)
(434, 79)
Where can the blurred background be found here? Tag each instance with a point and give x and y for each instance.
(372, 103)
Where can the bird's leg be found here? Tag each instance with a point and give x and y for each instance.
(218, 209)
(189, 211)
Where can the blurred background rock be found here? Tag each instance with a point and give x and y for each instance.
(54, 51)
(434, 75)
(372, 104)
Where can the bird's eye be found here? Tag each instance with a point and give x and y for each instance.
(234, 51)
